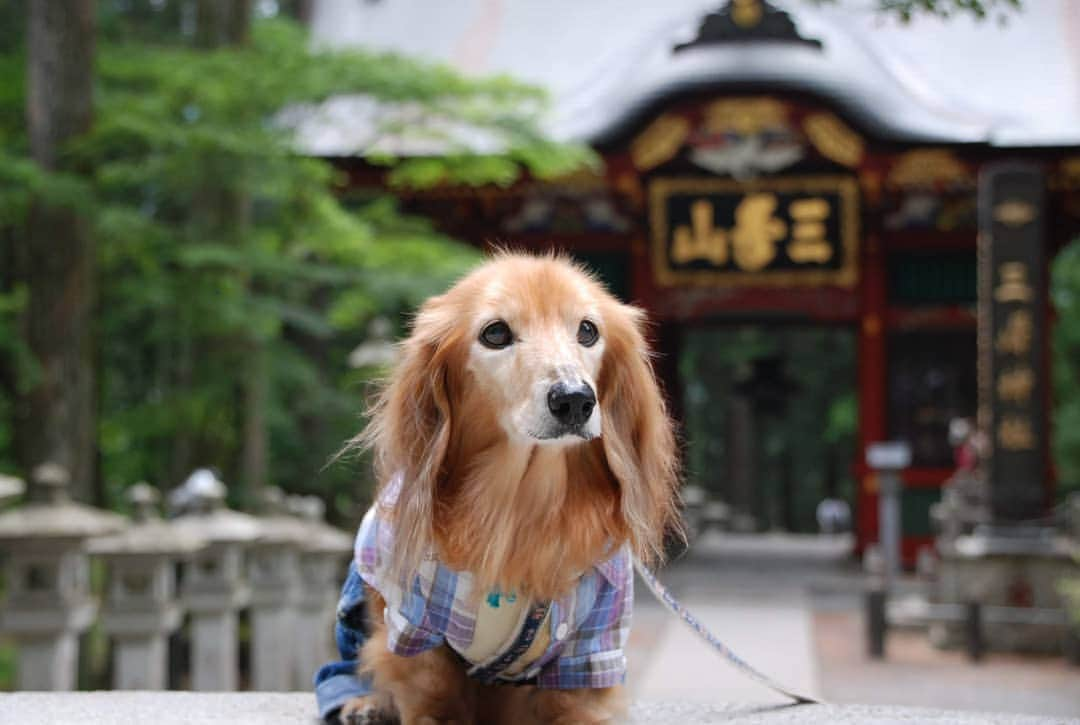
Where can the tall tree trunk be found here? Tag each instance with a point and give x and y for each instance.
(228, 23)
(183, 374)
(302, 11)
(256, 452)
(223, 22)
(56, 256)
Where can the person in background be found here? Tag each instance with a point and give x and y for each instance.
(967, 444)
(833, 516)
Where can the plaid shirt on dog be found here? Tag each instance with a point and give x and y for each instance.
(588, 627)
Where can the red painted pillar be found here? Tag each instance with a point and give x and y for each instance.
(873, 304)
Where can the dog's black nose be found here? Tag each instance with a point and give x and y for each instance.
(571, 404)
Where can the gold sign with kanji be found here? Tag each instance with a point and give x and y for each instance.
(787, 231)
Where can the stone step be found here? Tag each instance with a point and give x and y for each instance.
(274, 708)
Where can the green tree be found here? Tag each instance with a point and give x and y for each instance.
(907, 10)
(186, 291)
(217, 238)
(1065, 295)
(792, 469)
(54, 255)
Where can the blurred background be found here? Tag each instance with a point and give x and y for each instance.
(855, 225)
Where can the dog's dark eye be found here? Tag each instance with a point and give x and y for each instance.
(587, 334)
(496, 335)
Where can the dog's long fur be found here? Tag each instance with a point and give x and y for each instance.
(524, 516)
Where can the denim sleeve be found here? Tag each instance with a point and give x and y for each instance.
(337, 682)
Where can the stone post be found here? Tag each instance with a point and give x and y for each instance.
(323, 559)
(142, 606)
(1072, 518)
(49, 603)
(888, 460)
(274, 573)
(694, 499)
(215, 588)
(1012, 556)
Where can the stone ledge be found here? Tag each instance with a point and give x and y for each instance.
(274, 708)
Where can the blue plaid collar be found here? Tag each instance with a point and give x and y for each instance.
(610, 569)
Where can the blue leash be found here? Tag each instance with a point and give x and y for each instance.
(673, 606)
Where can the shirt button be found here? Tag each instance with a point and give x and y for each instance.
(561, 631)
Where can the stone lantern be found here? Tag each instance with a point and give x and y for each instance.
(49, 603)
(378, 349)
(322, 569)
(214, 589)
(274, 573)
(10, 488)
(1072, 519)
(142, 606)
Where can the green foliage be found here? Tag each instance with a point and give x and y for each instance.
(1065, 294)
(22, 366)
(980, 9)
(907, 10)
(220, 245)
(8, 657)
(842, 421)
(1069, 589)
(821, 362)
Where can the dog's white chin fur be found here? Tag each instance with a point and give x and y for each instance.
(566, 439)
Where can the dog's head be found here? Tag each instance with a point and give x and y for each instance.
(528, 353)
(536, 331)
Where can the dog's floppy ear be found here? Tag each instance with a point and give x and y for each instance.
(638, 441)
(409, 429)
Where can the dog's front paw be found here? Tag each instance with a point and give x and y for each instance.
(367, 710)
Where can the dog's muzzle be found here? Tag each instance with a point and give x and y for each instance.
(571, 405)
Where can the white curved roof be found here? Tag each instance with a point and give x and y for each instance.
(963, 81)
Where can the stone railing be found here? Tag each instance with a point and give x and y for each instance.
(204, 567)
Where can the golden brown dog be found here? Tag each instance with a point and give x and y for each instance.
(525, 440)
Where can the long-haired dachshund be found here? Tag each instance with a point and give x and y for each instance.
(524, 455)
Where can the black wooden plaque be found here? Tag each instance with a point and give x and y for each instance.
(1012, 337)
(772, 231)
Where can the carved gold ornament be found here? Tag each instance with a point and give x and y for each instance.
(745, 116)
(929, 167)
(659, 142)
(1014, 433)
(585, 178)
(1015, 213)
(755, 235)
(756, 232)
(833, 139)
(808, 235)
(746, 13)
(702, 239)
(1014, 285)
(1070, 170)
(1015, 386)
(1016, 334)
(1066, 175)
